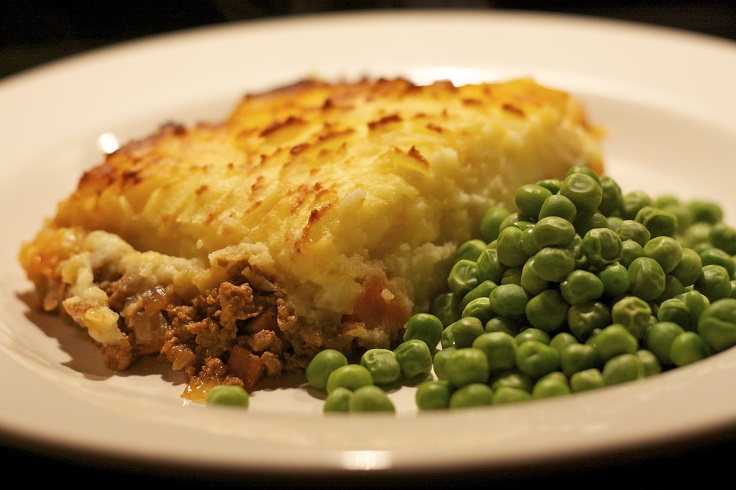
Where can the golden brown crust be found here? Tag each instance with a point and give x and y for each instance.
(305, 128)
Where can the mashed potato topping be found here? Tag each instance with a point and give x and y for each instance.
(316, 215)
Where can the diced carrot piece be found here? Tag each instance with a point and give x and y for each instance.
(246, 366)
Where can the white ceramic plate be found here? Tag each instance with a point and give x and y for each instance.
(666, 98)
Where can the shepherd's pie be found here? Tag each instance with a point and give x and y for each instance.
(318, 215)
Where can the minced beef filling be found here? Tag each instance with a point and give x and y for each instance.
(234, 334)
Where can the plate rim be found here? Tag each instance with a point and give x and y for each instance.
(334, 461)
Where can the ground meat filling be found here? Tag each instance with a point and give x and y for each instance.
(234, 334)
(237, 333)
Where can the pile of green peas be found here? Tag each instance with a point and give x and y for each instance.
(582, 286)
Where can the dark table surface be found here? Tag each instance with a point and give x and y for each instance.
(37, 32)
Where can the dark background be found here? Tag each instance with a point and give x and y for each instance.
(36, 32)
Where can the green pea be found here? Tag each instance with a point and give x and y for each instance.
(321, 365)
(491, 221)
(723, 236)
(508, 394)
(695, 301)
(583, 191)
(675, 310)
(552, 184)
(482, 290)
(671, 203)
(586, 380)
(633, 230)
(649, 361)
(672, 287)
(535, 359)
(612, 341)
(658, 340)
(230, 395)
(465, 330)
(469, 250)
(602, 246)
(466, 366)
(499, 348)
(688, 269)
(511, 379)
(647, 278)
(489, 267)
(633, 201)
(512, 275)
(702, 246)
(338, 400)
(516, 220)
(531, 281)
(530, 197)
(717, 324)
(657, 221)
(445, 306)
(425, 327)
(562, 340)
(612, 199)
(665, 250)
(688, 347)
(350, 376)
(554, 263)
(415, 358)
(551, 384)
(439, 360)
(510, 251)
(581, 287)
(713, 255)
(382, 364)
(630, 251)
(471, 395)
(547, 310)
(634, 314)
(576, 249)
(447, 339)
(714, 282)
(527, 242)
(578, 357)
(705, 211)
(552, 231)
(589, 220)
(666, 200)
(433, 395)
(582, 169)
(532, 333)
(614, 223)
(586, 318)
(509, 300)
(697, 234)
(479, 308)
(503, 324)
(623, 368)
(560, 206)
(370, 398)
(463, 277)
(615, 279)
